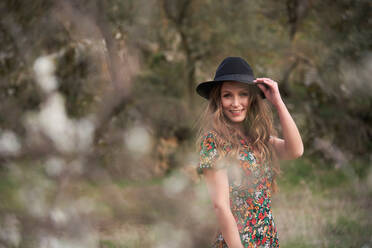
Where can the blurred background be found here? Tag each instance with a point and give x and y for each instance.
(98, 118)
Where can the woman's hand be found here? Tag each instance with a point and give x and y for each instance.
(270, 89)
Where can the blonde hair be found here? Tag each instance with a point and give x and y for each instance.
(257, 128)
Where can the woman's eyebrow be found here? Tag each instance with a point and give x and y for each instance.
(227, 91)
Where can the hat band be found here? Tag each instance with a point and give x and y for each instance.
(236, 77)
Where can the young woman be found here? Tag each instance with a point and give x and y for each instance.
(239, 153)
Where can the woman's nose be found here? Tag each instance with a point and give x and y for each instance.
(236, 101)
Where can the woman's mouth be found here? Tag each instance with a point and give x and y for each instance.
(236, 112)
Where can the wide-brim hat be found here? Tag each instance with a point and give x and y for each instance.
(232, 69)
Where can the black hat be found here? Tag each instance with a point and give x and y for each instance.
(233, 69)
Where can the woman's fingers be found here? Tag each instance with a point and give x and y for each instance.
(262, 87)
(263, 84)
(268, 81)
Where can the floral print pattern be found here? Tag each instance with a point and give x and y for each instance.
(250, 193)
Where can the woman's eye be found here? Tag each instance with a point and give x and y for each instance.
(244, 94)
(226, 95)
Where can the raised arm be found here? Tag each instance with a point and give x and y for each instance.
(218, 188)
(291, 146)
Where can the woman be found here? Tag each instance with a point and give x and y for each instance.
(239, 152)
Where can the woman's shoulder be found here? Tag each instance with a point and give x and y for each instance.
(213, 137)
(210, 134)
(209, 138)
(210, 151)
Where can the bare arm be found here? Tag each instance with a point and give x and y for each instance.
(291, 146)
(218, 188)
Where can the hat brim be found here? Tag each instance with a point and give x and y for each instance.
(204, 88)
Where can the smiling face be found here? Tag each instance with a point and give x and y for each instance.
(235, 101)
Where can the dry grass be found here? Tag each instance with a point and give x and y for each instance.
(337, 218)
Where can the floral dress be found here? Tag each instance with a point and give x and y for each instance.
(249, 190)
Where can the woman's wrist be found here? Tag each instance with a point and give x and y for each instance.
(279, 103)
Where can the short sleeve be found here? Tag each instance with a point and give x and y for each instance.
(208, 153)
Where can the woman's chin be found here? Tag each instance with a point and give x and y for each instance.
(236, 120)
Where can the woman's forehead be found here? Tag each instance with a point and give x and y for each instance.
(234, 86)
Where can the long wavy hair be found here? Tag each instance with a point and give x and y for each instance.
(257, 128)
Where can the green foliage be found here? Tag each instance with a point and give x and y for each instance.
(143, 183)
(163, 79)
(347, 232)
(112, 244)
(8, 193)
(318, 174)
(77, 80)
(296, 244)
(296, 172)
